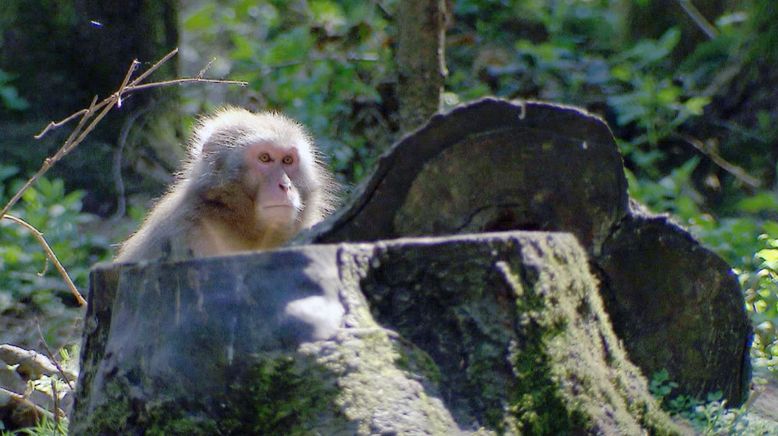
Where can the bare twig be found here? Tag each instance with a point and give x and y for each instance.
(53, 124)
(130, 71)
(707, 28)
(50, 161)
(731, 168)
(154, 67)
(89, 118)
(50, 254)
(52, 358)
(180, 81)
(205, 69)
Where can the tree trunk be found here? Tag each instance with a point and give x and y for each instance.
(421, 62)
(490, 334)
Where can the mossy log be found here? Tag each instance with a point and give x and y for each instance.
(500, 333)
(497, 165)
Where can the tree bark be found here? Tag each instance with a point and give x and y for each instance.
(420, 60)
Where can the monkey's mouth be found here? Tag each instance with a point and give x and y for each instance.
(273, 206)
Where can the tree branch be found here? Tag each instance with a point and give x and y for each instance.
(50, 254)
(89, 118)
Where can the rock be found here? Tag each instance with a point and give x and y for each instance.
(495, 333)
(23, 404)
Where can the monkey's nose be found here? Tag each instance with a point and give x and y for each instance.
(285, 186)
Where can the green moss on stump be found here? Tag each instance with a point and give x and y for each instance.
(276, 394)
(517, 329)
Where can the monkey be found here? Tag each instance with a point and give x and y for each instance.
(252, 181)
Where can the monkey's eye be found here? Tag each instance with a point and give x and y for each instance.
(264, 157)
(287, 160)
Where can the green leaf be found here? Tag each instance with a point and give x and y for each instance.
(668, 95)
(696, 105)
(12, 100)
(243, 49)
(622, 72)
(768, 254)
(771, 228)
(201, 19)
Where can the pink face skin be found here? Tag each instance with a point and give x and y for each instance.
(274, 169)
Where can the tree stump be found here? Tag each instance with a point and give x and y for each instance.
(503, 333)
(497, 165)
(492, 332)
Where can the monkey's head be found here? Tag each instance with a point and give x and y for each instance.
(260, 169)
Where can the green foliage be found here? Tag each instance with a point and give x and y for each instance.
(9, 96)
(709, 417)
(655, 104)
(761, 287)
(28, 279)
(322, 64)
(47, 427)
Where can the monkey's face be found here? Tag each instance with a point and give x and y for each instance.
(275, 175)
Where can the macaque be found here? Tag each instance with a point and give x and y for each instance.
(252, 182)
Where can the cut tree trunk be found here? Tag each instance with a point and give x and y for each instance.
(502, 332)
(499, 332)
(498, 165)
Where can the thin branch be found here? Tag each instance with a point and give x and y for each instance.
(54, 125)
(57, 410)
(731, 168)
(52, 358)
(89, 118)
(132, 88)
(50, 254)
(120, 91)
(112, 101)
(705, 26)
(93, 106)
(205, 69)
(50, 161)
(155, 67)
(79, 132)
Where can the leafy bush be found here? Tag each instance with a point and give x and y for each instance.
(761, 287)
(321, 62)
(709, 417)
(28, 281)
